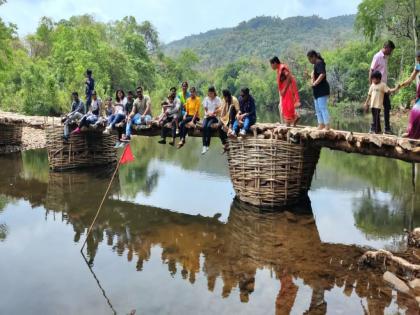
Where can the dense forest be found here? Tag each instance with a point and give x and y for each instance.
(38, 72)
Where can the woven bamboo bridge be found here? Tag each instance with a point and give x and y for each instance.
(272, 166)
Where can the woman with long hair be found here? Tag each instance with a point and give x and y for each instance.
(320, 88)
(288, 92)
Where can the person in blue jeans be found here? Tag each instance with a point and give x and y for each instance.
(119, 111)
(140, 114)
(247, 115)
(320, 88)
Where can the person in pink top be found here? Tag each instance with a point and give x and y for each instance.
(380, 63)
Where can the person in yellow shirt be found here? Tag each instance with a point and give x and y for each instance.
(191, 116)
(375, 100)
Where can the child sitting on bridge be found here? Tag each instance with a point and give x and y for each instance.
(77, 112)
(375, 100)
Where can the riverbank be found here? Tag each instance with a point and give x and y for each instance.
(33, 135)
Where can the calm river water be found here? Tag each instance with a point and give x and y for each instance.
(171, 239)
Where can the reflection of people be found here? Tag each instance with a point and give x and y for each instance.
(288, 92)
(375, 100)
(380, 63)
(413, 130)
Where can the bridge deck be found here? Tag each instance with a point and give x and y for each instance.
(352, 142)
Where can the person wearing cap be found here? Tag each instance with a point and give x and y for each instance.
(92, 116)
(90, 87)
(413, 130)
(380, 63)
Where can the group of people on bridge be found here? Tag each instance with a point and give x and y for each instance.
(233, 116)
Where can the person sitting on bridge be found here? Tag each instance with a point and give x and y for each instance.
(191, 116)
(92, 116)
(247, 115)
(375, 100)
(228, 112)
(211, 106)
(119, 111)
(130, 103)
(77, 112)
(182, 95)
(171, 112)
(140, 113)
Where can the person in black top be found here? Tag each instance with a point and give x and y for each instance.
(90, 87)
(320, 88)
(130, 102)
(92, 117)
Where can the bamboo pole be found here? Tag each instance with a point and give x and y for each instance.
(101, 204)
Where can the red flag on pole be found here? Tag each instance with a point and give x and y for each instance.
(127, 155)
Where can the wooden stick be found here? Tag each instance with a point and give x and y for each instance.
(101, 204)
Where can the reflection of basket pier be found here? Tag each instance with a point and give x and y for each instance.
(91, 148)
(271, 172)
(10, 135)
(79, 189)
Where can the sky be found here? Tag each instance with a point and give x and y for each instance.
(174, 19)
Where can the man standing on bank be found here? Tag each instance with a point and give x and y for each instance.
(380, 63)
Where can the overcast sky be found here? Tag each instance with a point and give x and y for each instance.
(173, 19)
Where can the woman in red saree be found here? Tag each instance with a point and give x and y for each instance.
(288, 92)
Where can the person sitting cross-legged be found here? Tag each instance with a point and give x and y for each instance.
(247, 115)
(171, 112)
(192, 115)
(140, 114)
(92, 116)
(77, 112)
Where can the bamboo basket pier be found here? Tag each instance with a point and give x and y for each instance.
(271, 172)
(87, 149)
(10, 132)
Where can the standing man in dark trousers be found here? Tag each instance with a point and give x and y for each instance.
(380, 63)
(90, 87)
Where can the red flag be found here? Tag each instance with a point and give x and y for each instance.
(127, 155)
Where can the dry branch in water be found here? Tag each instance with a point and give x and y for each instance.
(387, 258)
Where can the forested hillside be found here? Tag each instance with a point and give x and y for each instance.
(39, 72)
(265, 36)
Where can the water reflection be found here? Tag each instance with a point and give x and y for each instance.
(235, 251)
